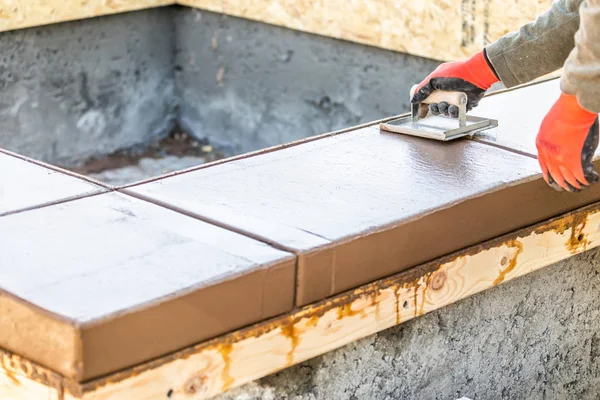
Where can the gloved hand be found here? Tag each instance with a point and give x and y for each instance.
(473, 77)
(566, 142)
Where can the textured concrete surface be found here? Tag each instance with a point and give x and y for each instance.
(532, 338)
(83, 89)
(79, 89)
(246, 85)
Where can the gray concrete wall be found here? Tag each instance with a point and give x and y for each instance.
(247, 85)
(79, 89)
(537, 337)
(87, 88)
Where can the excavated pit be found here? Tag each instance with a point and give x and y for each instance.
(126, 97)
(176, 152)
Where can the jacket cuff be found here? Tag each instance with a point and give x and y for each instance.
(587, 100)
(495, 56)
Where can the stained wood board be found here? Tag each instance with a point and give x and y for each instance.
(208, 369)
(23, 380)
(16, 387)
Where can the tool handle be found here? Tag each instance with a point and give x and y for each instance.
(452, 98)
(439, 96)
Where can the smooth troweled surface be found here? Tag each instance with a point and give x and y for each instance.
(335, 188)
(24, 185)
(361, 205)
(521, 116)
(141, 280)
(366, 204)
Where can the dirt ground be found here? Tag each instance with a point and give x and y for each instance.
(178, 151)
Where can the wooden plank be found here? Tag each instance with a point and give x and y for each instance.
(17, 14)
(23, 380)
(442, 30)
(408, 27)
(16, 387)
(214, 367)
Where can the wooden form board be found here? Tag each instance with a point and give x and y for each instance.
(443, 30)
(23, 380)
(205, 370)
(18, 14)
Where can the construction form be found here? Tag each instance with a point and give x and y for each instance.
(233, 278)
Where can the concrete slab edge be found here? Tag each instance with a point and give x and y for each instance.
(57, 169)
(100, 186)
(216, 366)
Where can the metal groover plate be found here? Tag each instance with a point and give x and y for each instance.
(438, 127)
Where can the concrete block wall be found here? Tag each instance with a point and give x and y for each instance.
(87, 88)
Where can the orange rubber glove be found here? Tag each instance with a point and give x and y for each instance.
(566, 143)
(473, 77)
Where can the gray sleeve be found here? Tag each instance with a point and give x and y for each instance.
(537, 48)
(581, 76)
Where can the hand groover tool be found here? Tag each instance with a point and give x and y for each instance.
(439, 127)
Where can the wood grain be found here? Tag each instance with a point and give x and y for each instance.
(208, 369)
(16, 387)
(18, 14)
(443, 29)
(22, 380)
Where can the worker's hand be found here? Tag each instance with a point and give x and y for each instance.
(473, 77)
(566, 143)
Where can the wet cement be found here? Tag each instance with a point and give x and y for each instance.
(25, 185)
(365, 204)
(122, 281)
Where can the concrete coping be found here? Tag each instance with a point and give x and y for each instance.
(272, 258)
